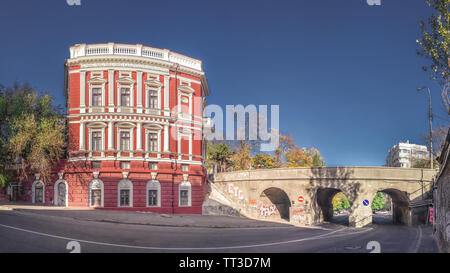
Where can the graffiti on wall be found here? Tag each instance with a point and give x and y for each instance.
(265, 210)
(235, 191)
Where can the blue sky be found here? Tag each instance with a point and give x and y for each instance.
(344, 73)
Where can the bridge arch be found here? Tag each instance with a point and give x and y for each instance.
(324, 200)
(400, 205)
(274, 202)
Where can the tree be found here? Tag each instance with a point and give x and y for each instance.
(435, 41)
(439, 136)
(289, 154)
(242, 159)
(424, 163)
(340, 202)
(378, 201)
(33, 132)
(263, 161)
(218, 156)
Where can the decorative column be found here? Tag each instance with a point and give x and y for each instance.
(166, 95)
(82, 137)
(82, 91)
(139, 92)
(111, 90)
(139, 137)
(111, 136)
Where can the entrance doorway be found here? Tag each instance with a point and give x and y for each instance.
(61, 194)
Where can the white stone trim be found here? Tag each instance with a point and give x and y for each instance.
(125, 184)
(93, 83)
(33, 189)
(185, 185)
(56, 191)
(153, 185)
(98, 186)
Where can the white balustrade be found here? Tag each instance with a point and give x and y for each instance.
(82, 50)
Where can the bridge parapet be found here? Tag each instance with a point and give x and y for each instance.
(263, 193)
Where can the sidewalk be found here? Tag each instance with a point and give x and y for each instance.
(141, 218)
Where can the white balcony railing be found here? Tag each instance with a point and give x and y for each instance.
(82, 50)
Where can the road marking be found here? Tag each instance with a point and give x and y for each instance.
(188, 248)
(419, 241)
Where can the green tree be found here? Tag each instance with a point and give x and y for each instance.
(378, 201)
(340, 202)
(218, 156)
(32, 132)
(435, 40)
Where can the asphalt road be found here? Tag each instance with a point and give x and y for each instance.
(27, 232)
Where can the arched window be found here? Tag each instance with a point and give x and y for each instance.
(125, 193)
(184, 194)
(153, 190)
(96, 193)
(38, 192)
(61, 192)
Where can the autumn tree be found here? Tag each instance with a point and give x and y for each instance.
(340, 202)
(289, 154)
(434, 45)
(242, 158)
(263, 161)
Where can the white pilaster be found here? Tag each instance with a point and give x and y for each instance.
(82, 136)
(166, 94)
(139, 91)
(139, 137)
(111, 90)
(110, 135)
(82, 91)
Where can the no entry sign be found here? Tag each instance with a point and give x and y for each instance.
(300, 199)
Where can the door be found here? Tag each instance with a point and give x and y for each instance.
(96, 198)
(61, 201)
(39, 193)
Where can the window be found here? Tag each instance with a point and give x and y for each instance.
(153, 166)
(96, 164)
(125, 141)
(184, 168)
(96, 193)
(96, 96)
(184, 194)
(96, 140)
(184, 198)
(153, 142)
(125, 191)
(153, 193)
(124, 198)
(152, 99)
(152, 198)
(125, 96)
(125, 165)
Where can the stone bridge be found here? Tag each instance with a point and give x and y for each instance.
(304, 195)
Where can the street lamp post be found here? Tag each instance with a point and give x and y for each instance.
(430, 115)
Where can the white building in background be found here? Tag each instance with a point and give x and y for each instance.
(403, 154)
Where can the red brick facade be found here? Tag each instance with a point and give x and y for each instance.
(135, 132)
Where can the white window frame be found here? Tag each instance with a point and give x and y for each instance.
(125, 184)
(96, 126)
(33, 191)
(153, 128)
(56, 192)
(95, 82)
(125, 82)
(185, 185)
(102, 191)
(152, 84)
(153, 185)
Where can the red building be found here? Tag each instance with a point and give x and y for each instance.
(135, 131)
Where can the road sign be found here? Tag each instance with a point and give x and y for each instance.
(366, 202)
(300, 199)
